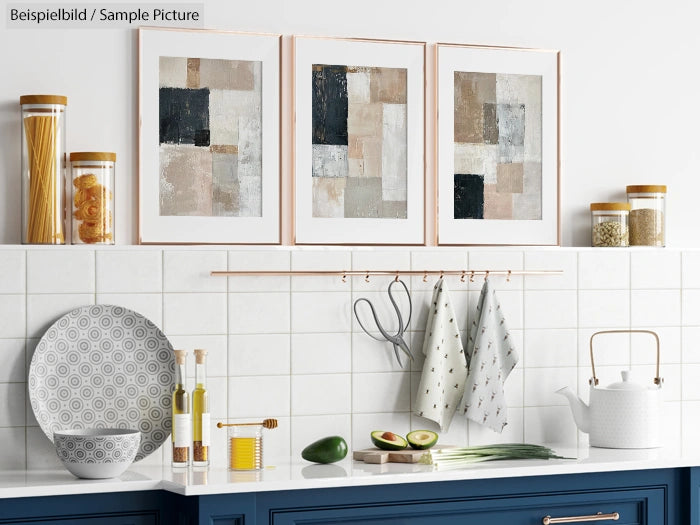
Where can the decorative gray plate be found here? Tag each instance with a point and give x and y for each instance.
(103, 366)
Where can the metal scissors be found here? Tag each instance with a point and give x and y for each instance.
(397, 339)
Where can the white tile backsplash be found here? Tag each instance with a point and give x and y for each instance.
(188, 271)
(258, 261)
(550, 347)
(603, 269)
(44, 309)
(320, 312)
(553, 259)
(129, 271)
(320, 394)
(655, 269)
(258, 396)
(12, 400)
(258, 313)
(324, 353)
(60, 271)
(290, 348)
(258, 354)
(655, 308)
(12, 357)
(381, 392)
(549, 309)
(13, 271)
(194, 313)
(14, 456)
(603, 308)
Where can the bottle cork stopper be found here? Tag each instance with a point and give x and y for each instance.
(200, 355)
(180, 356)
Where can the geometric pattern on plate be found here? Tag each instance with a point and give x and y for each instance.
(104, 366)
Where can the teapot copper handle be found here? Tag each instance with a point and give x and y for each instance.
(657, 380)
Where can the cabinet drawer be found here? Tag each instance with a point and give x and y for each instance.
(635, 507)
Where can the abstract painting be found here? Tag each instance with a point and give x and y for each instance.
(358, 111)
(210, 137)
(358, 141)
(498, 145)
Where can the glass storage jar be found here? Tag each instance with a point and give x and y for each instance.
(647, 215)
(93, 197)
(609, 224)
(43, 168)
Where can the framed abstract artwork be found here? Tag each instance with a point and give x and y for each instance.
(359, 137)
(498, 145)
(209, 132)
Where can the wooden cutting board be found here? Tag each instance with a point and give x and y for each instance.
(375, 455)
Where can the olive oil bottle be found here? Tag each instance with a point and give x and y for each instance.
(181, 417)
(201, 421)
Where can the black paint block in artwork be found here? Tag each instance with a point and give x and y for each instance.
(469, 197)
(329, 102)
(184, 116)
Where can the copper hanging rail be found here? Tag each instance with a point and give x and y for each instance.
(394, 273)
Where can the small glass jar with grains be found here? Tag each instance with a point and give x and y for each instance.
(609, 224)
(647, 215)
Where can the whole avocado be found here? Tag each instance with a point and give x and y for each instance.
(326, 450)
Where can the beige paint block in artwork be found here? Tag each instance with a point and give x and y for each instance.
(172, 72)
(356, 168)
(185, 180)
(355, 147)
(328, 197)
(528, 205)
(477, 159)
(471, 92)
(193, 73)
(226, 108)
(365, 120)
(358, 86)
(497, 205)
(510, 178)
(372, 157)
(228, 74)
(388, 84)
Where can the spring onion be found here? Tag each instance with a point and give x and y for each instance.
(458, 457)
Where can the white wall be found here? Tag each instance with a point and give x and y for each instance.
(629, 82)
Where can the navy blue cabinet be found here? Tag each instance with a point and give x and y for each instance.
(647, 497)
(652, 497)
(121, 508)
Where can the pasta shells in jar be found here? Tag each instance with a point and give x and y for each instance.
(93, 197)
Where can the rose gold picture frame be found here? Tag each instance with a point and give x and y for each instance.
(498, 145)
(209, 137)
(358, 141)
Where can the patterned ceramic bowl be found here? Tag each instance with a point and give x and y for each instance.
(97, 453)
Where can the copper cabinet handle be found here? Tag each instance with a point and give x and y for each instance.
(614, 516)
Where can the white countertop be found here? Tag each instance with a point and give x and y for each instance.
(297, 475)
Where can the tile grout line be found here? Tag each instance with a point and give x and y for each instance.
(26, 349)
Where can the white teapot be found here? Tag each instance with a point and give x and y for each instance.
(623, 414)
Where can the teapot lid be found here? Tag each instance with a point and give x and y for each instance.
(626, 384)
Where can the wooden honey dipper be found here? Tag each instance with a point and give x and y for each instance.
(266, 423)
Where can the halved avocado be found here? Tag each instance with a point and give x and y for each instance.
(388, 440)
(421, 439)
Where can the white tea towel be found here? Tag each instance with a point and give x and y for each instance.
(445, 370)
(491, 356)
